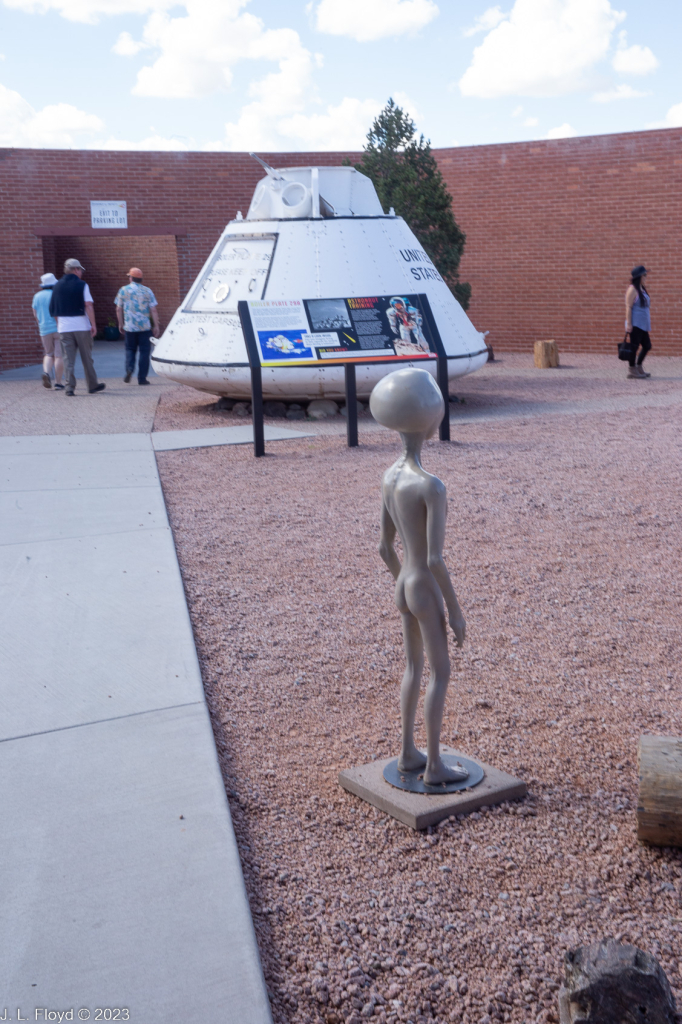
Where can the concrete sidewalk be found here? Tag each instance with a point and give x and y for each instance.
(122, 886)
(109, 358)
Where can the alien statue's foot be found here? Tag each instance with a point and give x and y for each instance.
(410, 760)
(437, 773)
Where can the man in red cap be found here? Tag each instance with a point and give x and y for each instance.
(137, 313)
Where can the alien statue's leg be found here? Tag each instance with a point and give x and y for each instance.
(411, 757)
(436, 642)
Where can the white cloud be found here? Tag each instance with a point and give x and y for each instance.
(56, 125)
(563, 131)
(153, 142)
(545, 48)
(344, 126)
(377, 19)
(673, 119)
(88, 11)
(517, 111)
(277, 119)
(126, 46)
(281, 94)
(531, 122)
(633, 60)
(486, 21)
(199, 48)
(197, 52)
(620, 92)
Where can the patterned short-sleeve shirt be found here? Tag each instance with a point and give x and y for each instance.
(136, 300)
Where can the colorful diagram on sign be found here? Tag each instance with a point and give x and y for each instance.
(285, 344)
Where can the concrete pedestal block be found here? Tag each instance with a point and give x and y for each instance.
(419, 810)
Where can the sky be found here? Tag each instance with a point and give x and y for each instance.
(281, 75)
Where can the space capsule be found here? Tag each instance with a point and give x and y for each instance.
(311, 233)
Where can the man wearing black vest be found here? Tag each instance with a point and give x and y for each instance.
(72, 305)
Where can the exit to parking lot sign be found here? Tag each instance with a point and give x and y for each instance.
(108, 214)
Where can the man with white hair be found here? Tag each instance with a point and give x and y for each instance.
(72, 305)
(49, 335)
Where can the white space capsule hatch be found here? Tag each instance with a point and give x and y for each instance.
(310, 233)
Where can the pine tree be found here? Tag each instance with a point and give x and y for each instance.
(406, 177)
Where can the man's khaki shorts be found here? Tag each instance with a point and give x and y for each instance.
(52, 345)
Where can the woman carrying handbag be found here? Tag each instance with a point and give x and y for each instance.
(638, 322)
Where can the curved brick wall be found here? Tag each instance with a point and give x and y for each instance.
(552, 230)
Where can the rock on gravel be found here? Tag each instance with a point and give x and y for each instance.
(564, 544)
(610, 982)
(321, 409)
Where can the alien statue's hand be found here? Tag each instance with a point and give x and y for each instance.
(459, 627)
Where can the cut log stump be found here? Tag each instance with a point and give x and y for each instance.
(659, 808)
(609, 983)
(546, 354)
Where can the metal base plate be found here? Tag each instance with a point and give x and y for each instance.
(413, 782)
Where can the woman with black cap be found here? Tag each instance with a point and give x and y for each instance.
(638, 321)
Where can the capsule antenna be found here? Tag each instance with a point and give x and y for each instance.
(270, 171)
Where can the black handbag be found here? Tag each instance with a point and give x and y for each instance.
(625, 348)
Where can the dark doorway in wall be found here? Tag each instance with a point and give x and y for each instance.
(108, 258)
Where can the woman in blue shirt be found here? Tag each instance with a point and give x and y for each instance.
(47, 325)
(638, 321)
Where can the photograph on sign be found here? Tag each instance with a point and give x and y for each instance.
(108, 213)
(327, 314)
(386, 327)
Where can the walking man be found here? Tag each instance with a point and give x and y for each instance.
(47, 325)
(137, 312)
(72, 305)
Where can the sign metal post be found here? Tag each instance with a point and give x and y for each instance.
(351, 405)
(443, 382)
(256, 380)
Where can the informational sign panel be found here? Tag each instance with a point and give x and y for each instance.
(348, 332)
(304, 332)
(108, 213)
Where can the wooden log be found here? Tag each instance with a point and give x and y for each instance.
(659, 808)
(546, 354)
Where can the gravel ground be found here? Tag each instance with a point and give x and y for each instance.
(563, 542)
(509, 387)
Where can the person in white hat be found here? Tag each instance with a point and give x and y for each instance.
(53, 360)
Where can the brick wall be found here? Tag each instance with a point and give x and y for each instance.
(553, 229)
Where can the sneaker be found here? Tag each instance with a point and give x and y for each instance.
(635, 373)
(126, 379)
(47, 383)
(100, 387)
(643, 371)
(69, 393)
(59, 387)
(143, 381)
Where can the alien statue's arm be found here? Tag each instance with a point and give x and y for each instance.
(436, 511)
(386, 548)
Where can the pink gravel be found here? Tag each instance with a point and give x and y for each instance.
(564, 545)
